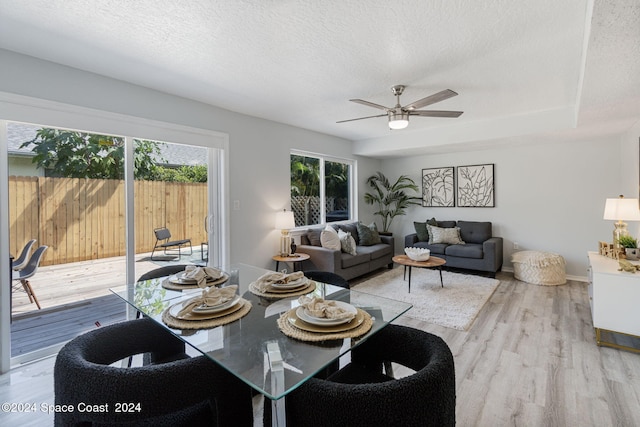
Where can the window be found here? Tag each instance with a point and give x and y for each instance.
(321, 189)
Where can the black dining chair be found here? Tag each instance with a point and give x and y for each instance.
(156, 274)
(21, 262)
(362, 394)
(327, 277)
(162, 272)
(181, 392)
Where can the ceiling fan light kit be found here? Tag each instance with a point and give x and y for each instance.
(399, 116)
(398, 120)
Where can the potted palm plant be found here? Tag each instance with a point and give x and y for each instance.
(392, 199)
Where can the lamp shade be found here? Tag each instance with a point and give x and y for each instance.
(285, 220)
(621, 209)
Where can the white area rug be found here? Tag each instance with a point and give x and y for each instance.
(454, 306)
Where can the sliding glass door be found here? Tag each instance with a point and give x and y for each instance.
(70, 191)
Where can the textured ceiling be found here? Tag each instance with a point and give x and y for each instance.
(520, 67)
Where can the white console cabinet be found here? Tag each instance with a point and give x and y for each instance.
(615, 299)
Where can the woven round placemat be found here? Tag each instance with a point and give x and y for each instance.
(275, 295)
(292, 332)
(176, 286)
(176, 323)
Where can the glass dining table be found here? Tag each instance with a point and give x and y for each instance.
(253, 347)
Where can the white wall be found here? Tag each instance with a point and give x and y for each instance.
(258, 154)
(549, 197)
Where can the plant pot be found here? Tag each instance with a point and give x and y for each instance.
(631, 253)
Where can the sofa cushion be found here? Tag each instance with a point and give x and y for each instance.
(470, 250)
(376, 251)
(368, 234)
(330, 239)
(474, 231)
(444, 235)
(347, 243)
(351, 260)
(435, 249)
(350, 228)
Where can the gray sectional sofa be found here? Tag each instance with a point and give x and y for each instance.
(367, 258)
(482, 251)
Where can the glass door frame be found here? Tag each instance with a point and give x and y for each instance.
(48, 113)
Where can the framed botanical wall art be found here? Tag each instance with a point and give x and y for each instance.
(476, 186)
(438, 187)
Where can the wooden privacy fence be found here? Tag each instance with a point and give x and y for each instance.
(84, 219)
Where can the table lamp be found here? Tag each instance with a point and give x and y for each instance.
(620, 210)
(285, 222)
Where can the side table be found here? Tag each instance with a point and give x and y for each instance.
(295, 258)
(430, 263)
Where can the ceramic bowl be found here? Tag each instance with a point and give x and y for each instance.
(417, 254)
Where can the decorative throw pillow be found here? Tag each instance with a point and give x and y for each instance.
(422, 231)
(368, 234)
(314, 237)
(445, 235)
(329, 239)
(347, 242)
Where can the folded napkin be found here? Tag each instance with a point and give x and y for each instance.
(210, 297)
(201, 274)
(317, 307)
(266, 280)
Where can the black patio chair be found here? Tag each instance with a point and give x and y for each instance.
(29, 271)
(164, 242)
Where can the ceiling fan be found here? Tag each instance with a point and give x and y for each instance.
(399, 116)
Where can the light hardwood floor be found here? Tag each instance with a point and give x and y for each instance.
(530, 359)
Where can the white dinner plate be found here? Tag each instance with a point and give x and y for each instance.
(298, 283)
(217, 308)
(181, 280)
(304, 315)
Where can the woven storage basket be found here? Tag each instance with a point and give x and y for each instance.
(539, 268)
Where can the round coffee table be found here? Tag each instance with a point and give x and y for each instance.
(432, 262)
(294, 258)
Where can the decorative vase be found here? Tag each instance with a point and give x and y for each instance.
(631, 253)
(293, 247)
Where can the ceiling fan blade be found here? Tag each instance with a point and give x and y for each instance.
(432, 99)
(435, 113)
(361, 118)
(370, 104)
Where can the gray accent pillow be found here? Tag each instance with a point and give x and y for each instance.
(368, 234)
(314, 237)
(347, 243)
(445, 235)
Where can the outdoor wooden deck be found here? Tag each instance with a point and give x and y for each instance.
(74, 297)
